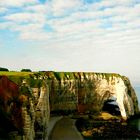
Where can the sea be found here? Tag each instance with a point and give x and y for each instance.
(137, 90)
(136, 122)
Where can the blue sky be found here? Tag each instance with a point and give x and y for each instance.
(71, 35)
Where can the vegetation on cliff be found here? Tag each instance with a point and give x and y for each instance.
(26, 70)
(3, 69)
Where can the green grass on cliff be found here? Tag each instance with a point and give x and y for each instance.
(59, 75)
(13, 73)
(16, 77)
(64, 75)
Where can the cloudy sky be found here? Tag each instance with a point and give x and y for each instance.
(71, 35)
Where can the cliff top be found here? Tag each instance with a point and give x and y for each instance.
(60, 74)
(18, 76)
(13, 73)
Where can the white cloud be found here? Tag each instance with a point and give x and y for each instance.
(44, 9)
(16, 3)
(27, 28)
(26, 17)
(78, 24)
(3, 10)
(36, 35)
(60, 7)
(6, 25)
(111, 3)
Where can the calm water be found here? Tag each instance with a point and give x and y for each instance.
(137, 90)
(136, 122)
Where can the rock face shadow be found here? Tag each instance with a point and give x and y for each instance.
(111, 107)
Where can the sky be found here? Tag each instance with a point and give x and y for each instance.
(71, 35)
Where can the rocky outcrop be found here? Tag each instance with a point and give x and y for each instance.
(87, 92)
(36, 112)
(10, 108)
(42, 113)
(26, 101)
(24, 110)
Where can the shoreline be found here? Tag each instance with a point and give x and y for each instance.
(106, 129)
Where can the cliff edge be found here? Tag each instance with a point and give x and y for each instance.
(27, 101)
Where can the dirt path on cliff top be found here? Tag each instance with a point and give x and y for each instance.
(65, 130)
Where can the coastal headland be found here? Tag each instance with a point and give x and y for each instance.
(29, 99)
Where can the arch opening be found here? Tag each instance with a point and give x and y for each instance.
(111, 106)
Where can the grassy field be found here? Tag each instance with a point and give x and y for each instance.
(17, 77)
(11, 73)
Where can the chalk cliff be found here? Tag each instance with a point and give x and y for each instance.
(87, 92)
(33, 97)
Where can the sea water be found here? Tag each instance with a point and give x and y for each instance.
(137, 90)
(136, 122)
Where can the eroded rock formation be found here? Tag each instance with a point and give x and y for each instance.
(25, 107)
(87, 92)
(10, 107)
(24, 110)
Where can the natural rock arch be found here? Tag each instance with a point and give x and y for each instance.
(111, 107)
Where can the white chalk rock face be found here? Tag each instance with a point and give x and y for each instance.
(87, 92)
(116, 86)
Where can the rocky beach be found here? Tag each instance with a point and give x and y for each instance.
(111, 128)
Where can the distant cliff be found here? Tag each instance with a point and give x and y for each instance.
(87, 92)
(35, 95)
